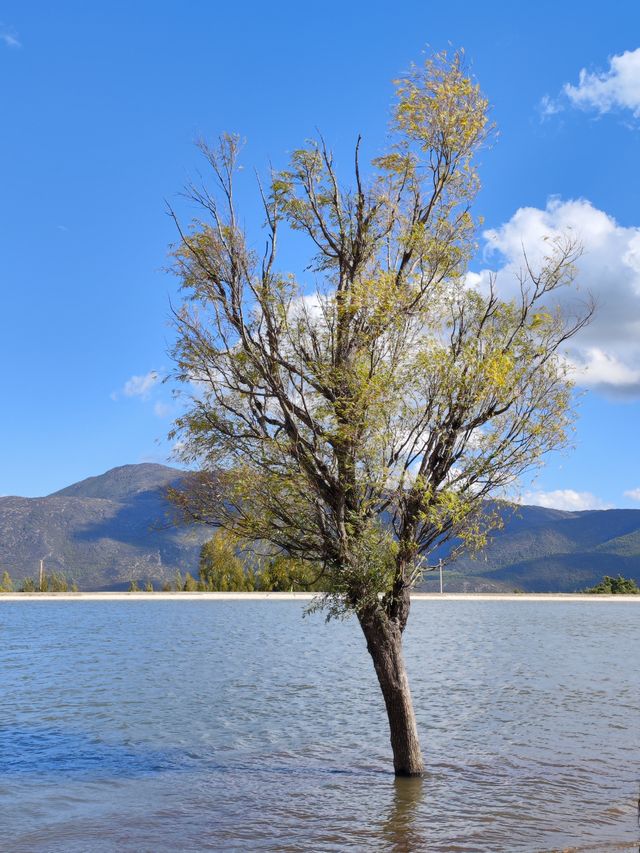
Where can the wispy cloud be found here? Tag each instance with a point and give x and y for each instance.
(138, 386)
(9, 37)
(146, 388)
(634, 494)
(617, 88)
(566, 499)
(550, 106)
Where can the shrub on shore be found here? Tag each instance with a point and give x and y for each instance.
(220, 568)
(190, 583)
(56, 583)
(615, 586)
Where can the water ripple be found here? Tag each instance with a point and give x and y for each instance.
(239, 726)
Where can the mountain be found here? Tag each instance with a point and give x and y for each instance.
(108, 530)
(123, 482)
(549, 550)
(103, 532)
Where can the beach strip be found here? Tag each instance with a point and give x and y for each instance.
(304, 596)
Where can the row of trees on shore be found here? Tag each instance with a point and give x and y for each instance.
(221, 569)
(615, 586)
(48, 582)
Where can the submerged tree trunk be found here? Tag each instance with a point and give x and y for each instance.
(384, 643)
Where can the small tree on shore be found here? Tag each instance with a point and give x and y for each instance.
(360, 424)
(6, 584)
(220, 567)
(615, 586)
(57, 582)
(284, 574)
(190, 583)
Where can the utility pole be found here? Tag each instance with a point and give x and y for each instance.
(437, 568)
(41, 579)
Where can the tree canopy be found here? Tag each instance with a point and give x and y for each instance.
(393, 388)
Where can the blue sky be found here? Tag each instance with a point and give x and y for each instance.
(102, 103)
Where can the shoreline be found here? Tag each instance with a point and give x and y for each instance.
(305, 596)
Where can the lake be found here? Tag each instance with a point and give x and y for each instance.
(242, 726)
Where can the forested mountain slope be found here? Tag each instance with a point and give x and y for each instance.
(108, 530)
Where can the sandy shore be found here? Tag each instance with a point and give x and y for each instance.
(300, 596)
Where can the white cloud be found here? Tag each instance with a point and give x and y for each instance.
(9, 37)
(634, 494)
(309, 305)
(601, 91)
(138, 386)
(618, 87)
(550, 106)
(566, 499)
(473, 279)
(606, 354)
(595, 368)
(178, 448)
(145, 387)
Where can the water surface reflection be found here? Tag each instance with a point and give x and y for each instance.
(402, 830)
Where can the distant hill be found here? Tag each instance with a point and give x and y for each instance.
(548, 550)
(108, 530)
(122, 483)
(103, 532)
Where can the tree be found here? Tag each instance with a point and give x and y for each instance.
(361, 425)
(6, 584)
(190, 583)
(615, 586)
(57, 583)
(220, 567)
(284, 574)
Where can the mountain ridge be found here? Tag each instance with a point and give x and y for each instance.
(102, 532)
(122, 481)
(107, 530)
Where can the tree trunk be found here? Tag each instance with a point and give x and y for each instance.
(384, 642)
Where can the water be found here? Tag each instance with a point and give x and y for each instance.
(239, 726)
